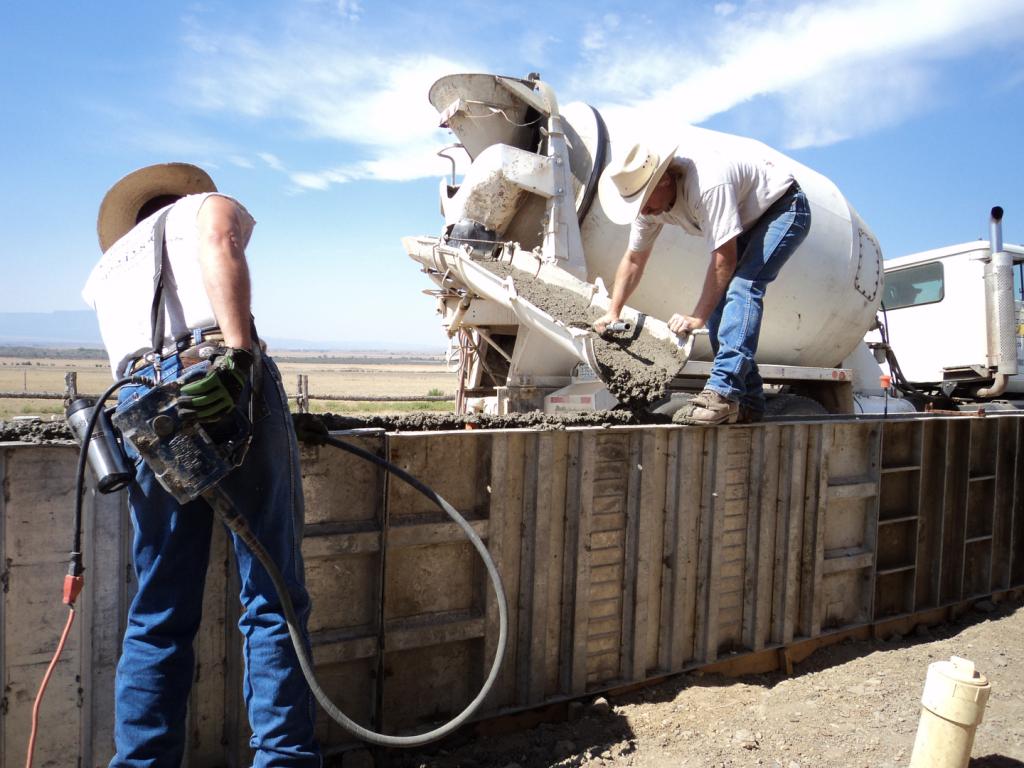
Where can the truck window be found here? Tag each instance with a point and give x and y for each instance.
(910, 287)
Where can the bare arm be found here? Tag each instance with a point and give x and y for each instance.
(627, 278)
(716, 281)
(225, 271)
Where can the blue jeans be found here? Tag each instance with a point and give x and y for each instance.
(171, 550)
(735, 325)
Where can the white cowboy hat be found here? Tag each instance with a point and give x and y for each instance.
(121, 205)
(627, 183)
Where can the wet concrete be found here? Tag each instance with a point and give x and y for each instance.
(54, 432)
(57, 432)
(423, 422)
(637, 369)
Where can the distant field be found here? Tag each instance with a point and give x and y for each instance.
(420, 378)
(46, 375)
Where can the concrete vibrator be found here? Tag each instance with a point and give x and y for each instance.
(190, 460)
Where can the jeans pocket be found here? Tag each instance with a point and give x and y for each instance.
(260, 408)
(262, 402)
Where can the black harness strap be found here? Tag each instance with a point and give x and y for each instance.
(156, 315)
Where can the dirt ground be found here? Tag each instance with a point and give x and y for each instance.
(851, 705)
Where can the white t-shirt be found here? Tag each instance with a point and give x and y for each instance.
(120, 287)
(725, 183)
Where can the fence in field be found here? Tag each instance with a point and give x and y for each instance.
(302, 394)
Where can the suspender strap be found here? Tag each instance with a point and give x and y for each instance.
(156, 314)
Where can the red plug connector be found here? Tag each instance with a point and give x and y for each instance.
(72, 588)
(73, 580)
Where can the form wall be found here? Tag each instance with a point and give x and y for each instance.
(626, 553)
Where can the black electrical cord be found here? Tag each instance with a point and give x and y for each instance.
(316, 433)
(236, 523)
(222, 505)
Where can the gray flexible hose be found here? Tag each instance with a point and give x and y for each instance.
(237, 524)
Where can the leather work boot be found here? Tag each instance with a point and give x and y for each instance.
(707, 409)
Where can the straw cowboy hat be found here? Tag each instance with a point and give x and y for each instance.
(122, 203)
(627, 184)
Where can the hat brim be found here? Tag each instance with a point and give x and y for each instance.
(122, 203)
(624, 210)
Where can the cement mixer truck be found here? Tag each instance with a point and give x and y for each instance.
(527, 255)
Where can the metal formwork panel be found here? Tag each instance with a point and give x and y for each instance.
(77, 716)
(685, 475)
(951, 511)
(613, 462)
(343, 554)
(434, 586)
(36, 509)
(1006, 456)
(848, 510)
(626, 553)
(33, 552)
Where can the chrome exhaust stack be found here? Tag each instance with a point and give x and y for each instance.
(1000, 310)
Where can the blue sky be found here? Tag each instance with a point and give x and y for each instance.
(314, 113)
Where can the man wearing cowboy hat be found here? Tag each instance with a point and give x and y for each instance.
(203, 304)
(752, 215)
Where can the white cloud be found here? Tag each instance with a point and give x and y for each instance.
(534, 48)
(415, 161)
(595, 34)
(271, 160)
(829, 110)
(373, 104)
(593, 38)
(320, 180)
(368, 100)
(350, 9)
(822, 71)
(840, 69)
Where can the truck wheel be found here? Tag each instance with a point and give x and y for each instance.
(781, 406)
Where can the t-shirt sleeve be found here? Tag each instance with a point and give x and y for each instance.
(245, 219)
(720, 215)
(642, 233)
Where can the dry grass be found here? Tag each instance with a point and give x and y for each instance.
(385, 379)
(400, 380)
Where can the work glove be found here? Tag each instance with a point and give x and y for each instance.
(214, 395)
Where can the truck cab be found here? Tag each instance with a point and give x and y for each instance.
(940, 310)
